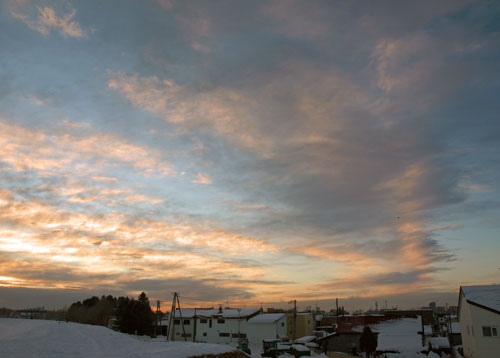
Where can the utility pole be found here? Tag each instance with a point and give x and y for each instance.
(170, 330)
(294, 330)
(157, 316)
(171, 320)
(239, 338)
(194, 329)
(180, 316)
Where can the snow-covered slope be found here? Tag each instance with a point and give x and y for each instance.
(44, 339)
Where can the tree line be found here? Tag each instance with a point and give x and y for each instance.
(128, 315)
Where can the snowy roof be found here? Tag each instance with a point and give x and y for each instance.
(266, 318)
(455, 327)
(399, 335)
(209, 313)
(305, 339)
(485, 295)
(438, 342)
(300, 348)
(428, 330)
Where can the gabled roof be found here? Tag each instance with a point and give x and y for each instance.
(266, 318)
(483, 296)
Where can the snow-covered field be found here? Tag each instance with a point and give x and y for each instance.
(43, 339)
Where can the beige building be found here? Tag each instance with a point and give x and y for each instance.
(479, 316)
(304, 325)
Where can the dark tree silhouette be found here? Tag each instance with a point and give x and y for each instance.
(368, 341)
(135, 317)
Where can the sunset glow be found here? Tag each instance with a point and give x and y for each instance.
(248, 154)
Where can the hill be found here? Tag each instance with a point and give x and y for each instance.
(44, 339)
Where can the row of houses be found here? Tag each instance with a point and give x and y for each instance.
(227, 325)
(474, 330)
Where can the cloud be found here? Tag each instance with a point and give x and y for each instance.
(222, 111)
(47, 19)
(377, 284)
(55, 152)
(203, 179)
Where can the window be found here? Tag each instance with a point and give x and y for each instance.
(210, 324)
(490, 331)
(187, 322)
(203, 321)
(220, 321)
(223, 334)
(177, 321)
(282, 324)
(204, 334)
(242, 335)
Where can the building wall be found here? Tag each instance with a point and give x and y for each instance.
(343, 343)
(178, 334)
(305, 324)
(257, 332)
(227, 332)
(472, 320)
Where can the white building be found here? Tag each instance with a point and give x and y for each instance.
(479, 316)
(266, 326)
(224, 326)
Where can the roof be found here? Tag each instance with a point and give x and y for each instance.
(455, 327)
(266, 318)
(305, 339)
(484, 296)
(428, 330)
(243, 313)
(438, 342)
(399, 335)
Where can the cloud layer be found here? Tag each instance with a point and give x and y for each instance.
(247, 153)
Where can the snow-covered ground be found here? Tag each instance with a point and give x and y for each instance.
(43, 339)
(400, 335)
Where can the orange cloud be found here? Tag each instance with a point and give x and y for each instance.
(44, 19)
(24, 148)
(224, 111)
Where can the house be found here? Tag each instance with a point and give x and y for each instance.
(265, 326)
(304, 324)
(224, 326)
(343, 342)
(479, 317)
(454, 333)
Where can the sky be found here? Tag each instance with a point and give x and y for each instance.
(249, 153)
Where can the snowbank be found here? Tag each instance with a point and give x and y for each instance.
(52, 339)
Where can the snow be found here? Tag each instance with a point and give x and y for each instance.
(266, 318)
(485, 295)
(455, 327)
(44, 339)
(399, 335)
(438, 342)
(226, 313)
(305, 339)
(300, 348)
(428, 330)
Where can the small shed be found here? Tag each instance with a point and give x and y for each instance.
(345, 342)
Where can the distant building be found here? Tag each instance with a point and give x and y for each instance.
(479, 316)
(304, 325)
(341, 342)
(426, 313)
